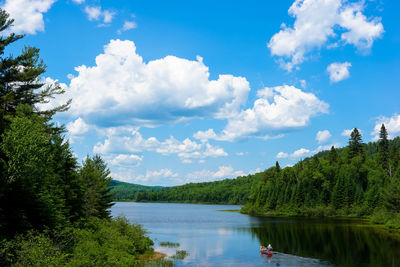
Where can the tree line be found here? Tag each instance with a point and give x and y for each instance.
(53, 210)
(227, 191)
(357, 180)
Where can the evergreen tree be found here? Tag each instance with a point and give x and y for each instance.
(277, 166)
(97, 198)
(332, 155)
(355, 144)
(383, 148)
(20, 77)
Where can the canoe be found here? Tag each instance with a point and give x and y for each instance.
(268, 253)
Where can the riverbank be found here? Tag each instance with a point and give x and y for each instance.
(379, 221)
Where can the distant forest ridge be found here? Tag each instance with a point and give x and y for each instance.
(127, 191)
(250, 190)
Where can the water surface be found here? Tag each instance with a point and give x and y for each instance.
(215, 238)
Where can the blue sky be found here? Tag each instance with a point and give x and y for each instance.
(170, 92)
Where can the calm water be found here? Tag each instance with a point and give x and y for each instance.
(215, 238)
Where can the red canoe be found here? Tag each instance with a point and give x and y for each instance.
(269, 253)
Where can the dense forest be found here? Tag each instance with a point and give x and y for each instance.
(53, 211)
(228, 191)
(359, 180)
(125, 191)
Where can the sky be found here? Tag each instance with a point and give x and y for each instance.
(173, 92)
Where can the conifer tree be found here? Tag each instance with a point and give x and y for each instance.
(332, 155)
(277, 166)
(355, 144)
(383, 148)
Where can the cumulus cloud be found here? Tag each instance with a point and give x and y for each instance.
(129, 140)
(282, 155)
(77, 127)
(319, 21)
(207, 175)
(392, 125)
(323, 136)
(128, 25)
(131, 160)
(300, 153)
(163, 177)
(280, 108)
(123, 89)
(27, 14)
(95, 13)
(338, 71)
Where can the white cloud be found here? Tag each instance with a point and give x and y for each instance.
(223, 172)
(303, 84)
(204, 136)
(338, 71)
(27, 14)
(78, 1)
(282, 155)
(163, 177)
(77, 127)
(126, 160)
(323, 136)
(318, 21)
(300, 153)
(128, 25)
(123, 89)
(278, 108)
(392, 125)
(121, 140)
(95, 13)
(163, 173)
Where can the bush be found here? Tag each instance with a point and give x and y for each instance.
(109, 243)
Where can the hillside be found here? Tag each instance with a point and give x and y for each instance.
(358, 180)
(127, 191)
(228, 191)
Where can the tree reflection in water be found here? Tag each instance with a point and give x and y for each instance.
(338, 241)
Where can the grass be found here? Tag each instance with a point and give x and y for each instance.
(180, 255)
(169, 244)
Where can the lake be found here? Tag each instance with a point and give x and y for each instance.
(220, 238)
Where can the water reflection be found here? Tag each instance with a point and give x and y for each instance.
(214, 238)
(341, 242)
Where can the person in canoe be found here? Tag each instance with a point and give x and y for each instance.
(269, 248)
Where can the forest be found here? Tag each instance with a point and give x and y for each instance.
(360, 180)
(228, 191)
(53, 210)
(122, 191)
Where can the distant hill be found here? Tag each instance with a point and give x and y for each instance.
(228, 191)
(127, 191)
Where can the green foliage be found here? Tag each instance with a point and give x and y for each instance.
(32, 249)
(228, 191)
(95, 178)
(100, 243)
(127, 191)
(344, 182)
(52, 211)
(169, 244)
(355, 144)
(109, 243)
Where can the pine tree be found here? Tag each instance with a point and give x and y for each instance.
(277, 166)
(20, 77)
(355, 144)
(383, 149)
(97, 198)
(332, 155)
